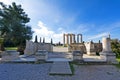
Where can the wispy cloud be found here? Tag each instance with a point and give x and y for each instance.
(51, 21)
(109, 27)
(104, 34)
(44, 31)
(84, 27)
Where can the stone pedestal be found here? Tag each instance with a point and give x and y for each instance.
(9, 55)
(41, 55)
(107, 53)
(90, 53)
(90, 48)
(31, 47)
(110, 57)
(77, 56)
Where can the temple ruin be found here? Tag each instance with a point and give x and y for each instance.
(75, 42)
(71, 38)
(73, 49)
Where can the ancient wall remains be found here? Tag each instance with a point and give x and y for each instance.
(95, 47)
(32, 47)
(77, 46)
(45, 46)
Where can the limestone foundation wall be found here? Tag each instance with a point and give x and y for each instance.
(32, 47)
(77, 47)
(85, 47)
(45, 46)
(98, 47)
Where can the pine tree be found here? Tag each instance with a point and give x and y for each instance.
(51, 41)
(40, 39)
(13, 26)
(43, 40)
(36, 41)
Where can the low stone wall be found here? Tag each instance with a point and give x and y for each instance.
(77, 56)
(45, 46)
(41, 55)
(93, 48)
(86, 47)
(60, 49)
(77, 47)
(98, 47)
(9, 55)
(32, 47)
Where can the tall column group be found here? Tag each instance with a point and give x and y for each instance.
(71, 38)
(79, 38)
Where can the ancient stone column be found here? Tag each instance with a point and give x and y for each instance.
(78, 38)
(107, 53)
(40, 39)
(74, 38)
(90, 48)
(70, 38)
(67, 38)
(63, 39)
(106, 45)
(109, 36)
(81, 38)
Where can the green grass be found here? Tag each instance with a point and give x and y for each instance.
(72, 68)
(118, 65)
(10, 48)
(118, 59)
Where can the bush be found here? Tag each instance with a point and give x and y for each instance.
(21, 49)
(9, 43)
(1, 44)
(2, 47)
(115, 45)
(97, 53)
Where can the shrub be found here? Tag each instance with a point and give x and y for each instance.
(21, 49)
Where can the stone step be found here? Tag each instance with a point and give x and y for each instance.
(60, 49)
(60, 67)
(90, 63)
(58, 59)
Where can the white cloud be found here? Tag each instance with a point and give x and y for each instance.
(44, 31)
(115, 26)
(82, 28)
(105, 34)
(7, 1)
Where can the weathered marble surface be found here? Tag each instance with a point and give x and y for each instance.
(41, 55)
(77, 55)
(107, 51)
(32, 48)
(90, 48)
(9, 55)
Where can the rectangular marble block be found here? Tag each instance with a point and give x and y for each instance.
(91, 53)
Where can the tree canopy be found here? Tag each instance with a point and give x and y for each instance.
(13, 22)
(115, 45)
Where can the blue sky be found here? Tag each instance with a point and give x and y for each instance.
(92, 18)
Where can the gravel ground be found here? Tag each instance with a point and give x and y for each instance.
(22, 71)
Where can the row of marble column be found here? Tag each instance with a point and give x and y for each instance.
(71, 38)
